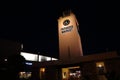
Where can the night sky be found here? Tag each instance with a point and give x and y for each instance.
(34, 23)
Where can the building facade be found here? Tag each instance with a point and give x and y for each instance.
(72, 65)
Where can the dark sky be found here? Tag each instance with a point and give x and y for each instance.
(34, 23)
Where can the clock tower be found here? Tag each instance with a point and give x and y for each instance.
(70, 47)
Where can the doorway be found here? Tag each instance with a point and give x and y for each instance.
(71, 73)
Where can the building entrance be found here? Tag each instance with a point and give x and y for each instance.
(71, 73)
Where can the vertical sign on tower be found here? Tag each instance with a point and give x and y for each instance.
(70, 47)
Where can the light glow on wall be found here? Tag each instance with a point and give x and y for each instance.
(21, 46)
(5, 59)
(100, 64)
(42, 69)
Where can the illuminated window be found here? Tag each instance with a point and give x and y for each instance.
(35, 57)
(71, 73)
(48, 58)
(44, 58)
(25, 75)
(54, 59)
(29, 56)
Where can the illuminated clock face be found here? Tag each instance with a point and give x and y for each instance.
(66, 22)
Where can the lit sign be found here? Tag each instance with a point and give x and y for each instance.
(66, 22)
(28, 63)
(66, 29)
